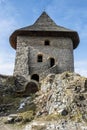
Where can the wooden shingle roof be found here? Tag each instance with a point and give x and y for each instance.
(45, 26)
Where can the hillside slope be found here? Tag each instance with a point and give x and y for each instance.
(60, 104)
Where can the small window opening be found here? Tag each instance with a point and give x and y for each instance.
(47, 43)
(40, 58)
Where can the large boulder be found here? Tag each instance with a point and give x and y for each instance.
(62, 103)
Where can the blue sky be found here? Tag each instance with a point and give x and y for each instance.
(15, 14)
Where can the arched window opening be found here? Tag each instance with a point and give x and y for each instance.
(47, 43)
(35, 77)
(52, 62)
(39, 58)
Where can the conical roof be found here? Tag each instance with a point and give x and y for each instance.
(45, 23)
(45, 26)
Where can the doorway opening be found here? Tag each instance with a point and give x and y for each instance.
(52, 62)
(35, 77)
(31, 87)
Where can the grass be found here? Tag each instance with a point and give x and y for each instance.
(51, 117)
(27, 116)
(39, 127)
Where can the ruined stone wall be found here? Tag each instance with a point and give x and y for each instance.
(21, 61)
(49, 71)
(28, 48)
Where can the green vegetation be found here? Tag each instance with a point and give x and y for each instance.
(10, 104)
(27, 116)
(76, 117)
(39, 127)
(53, 117)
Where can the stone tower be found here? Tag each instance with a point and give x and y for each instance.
(43, 48)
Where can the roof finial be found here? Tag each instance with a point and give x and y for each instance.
(44, 10)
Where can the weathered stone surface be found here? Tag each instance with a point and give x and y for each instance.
(54, 125)
(60, 104)
(11, 84)
(30, 88)
(20, 82)
(64, 91)
(51, 43)
(28, 48)
(14, 118)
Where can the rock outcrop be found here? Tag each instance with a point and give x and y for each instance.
(60, 104)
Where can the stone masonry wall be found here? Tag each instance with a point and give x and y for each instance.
(21, 61)
(49, 71)
(28, 48)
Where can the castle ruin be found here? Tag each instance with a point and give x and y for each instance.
(43, 48)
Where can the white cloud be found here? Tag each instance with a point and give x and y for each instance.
(6, 64)
(82, 72)
(8, 22)
(75, 18)
(6, 67)
(61, 13)
(81, 67)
